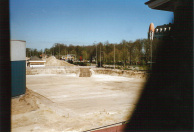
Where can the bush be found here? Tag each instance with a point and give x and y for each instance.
(144, 67)
(101, 64)
(70, 61)
(82, 63)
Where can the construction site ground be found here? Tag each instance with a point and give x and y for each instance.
(67, 102)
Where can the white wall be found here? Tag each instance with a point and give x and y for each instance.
(37, 65)
(18, 50)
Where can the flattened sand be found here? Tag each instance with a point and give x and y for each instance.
(66, 102)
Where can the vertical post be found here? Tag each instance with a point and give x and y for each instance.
(96, 56)
(59, 51)
(130, 56)
(100, 55)
(114, 56)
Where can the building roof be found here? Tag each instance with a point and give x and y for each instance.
(166, 5)
(151, 28)
(35, 58)
(149, 1)
(165, 25)
(19, 40)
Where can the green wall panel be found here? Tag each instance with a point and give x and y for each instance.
(18, 77)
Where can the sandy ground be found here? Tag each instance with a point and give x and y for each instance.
(66, 102)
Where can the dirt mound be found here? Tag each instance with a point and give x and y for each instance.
(24, 103)
(52, 61)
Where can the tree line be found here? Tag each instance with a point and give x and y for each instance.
(126, 52)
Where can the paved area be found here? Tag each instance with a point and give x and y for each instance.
(72, 103)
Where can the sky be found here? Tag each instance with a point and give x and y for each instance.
(42, 23)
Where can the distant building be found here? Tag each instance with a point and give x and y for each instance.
(160, 32)
(69, 57)
(151, 32)
(36, 62)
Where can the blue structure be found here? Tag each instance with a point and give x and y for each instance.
(18, 67)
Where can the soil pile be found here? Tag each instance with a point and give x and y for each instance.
(23, 104)
(52, 61)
